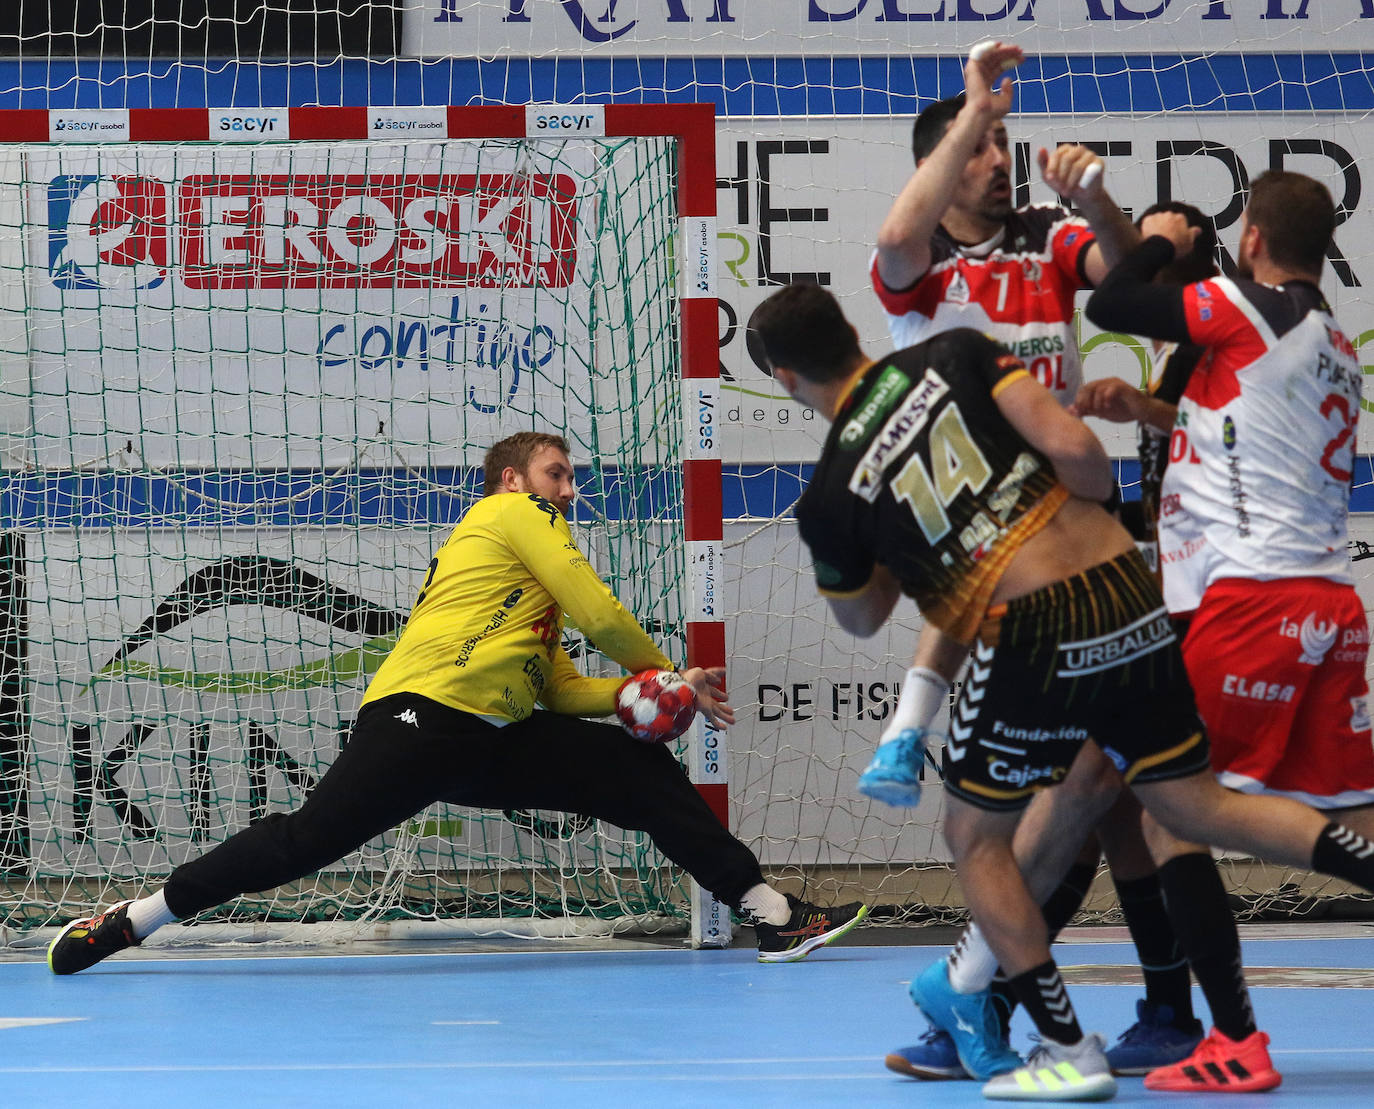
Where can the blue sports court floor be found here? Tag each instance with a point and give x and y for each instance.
(524, 1023)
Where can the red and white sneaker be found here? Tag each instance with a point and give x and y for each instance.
(1220, 1065)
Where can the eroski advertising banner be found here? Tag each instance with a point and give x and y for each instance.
(402, 297)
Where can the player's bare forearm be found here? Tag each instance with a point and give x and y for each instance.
(1116, 235)
(1079, 459)
(904, 237)
(864, 612)
(1110, 398)
(1158, 414)
(1075, 172)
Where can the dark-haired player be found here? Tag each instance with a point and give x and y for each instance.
(952, 476)
(451, 715)
(955, 251)
(1253, 528)
(1154, 407)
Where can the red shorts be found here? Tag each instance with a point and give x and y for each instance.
(1278, 668)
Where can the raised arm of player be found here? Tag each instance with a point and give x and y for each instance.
(1075, 173)
(904, 237)
(1129, 300)
(1079, 459)
(540, 538)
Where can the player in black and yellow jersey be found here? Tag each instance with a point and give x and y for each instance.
(452, 715)
(952, 476)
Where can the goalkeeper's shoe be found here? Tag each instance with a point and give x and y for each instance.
(894, 775)
(1058, 1072)
(83, 943)
(808, 928)
(1220, 1065)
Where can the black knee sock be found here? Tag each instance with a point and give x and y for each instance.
(1042, 992)
(1162, 961)
(1206, 930)
(1344, 854)
(1058, 910)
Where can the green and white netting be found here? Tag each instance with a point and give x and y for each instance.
(247, 393)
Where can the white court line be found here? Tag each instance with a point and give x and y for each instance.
(25, 1022)
(526, 1064)
(523, 1064)
(464, 1022)
(871, 1075)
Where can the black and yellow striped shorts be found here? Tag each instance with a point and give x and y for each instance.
(1090, 658)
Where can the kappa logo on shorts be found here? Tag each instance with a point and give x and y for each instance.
(1314, 636)
(407, 716)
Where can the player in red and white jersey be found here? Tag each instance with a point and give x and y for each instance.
(1265, 441)
(1255, 503)
(1017, 286)
(955, 252)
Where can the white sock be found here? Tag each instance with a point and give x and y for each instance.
(763, 902)
(148, 914)
(972, 963)
(924, 693)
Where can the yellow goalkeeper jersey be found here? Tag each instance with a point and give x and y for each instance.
(484, 635)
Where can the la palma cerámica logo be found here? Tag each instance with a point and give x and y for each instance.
(107, 232)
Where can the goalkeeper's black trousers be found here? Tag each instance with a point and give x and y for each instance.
(407, 752)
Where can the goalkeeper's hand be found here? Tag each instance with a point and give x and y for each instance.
(709, 686)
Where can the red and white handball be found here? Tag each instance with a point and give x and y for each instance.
(656, 706)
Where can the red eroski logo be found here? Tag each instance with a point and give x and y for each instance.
(241, 231)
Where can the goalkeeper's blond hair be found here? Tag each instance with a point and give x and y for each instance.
(516, 451)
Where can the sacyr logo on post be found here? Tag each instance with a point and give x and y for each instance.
(107, 232)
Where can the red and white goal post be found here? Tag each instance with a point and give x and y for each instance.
(264, 352)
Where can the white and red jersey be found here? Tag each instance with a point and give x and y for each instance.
(1261, 454)
(1017, 287)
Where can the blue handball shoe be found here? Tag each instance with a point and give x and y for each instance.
(1156, 1039)
(932, 1058)
(969, 1018)
(894, 775)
